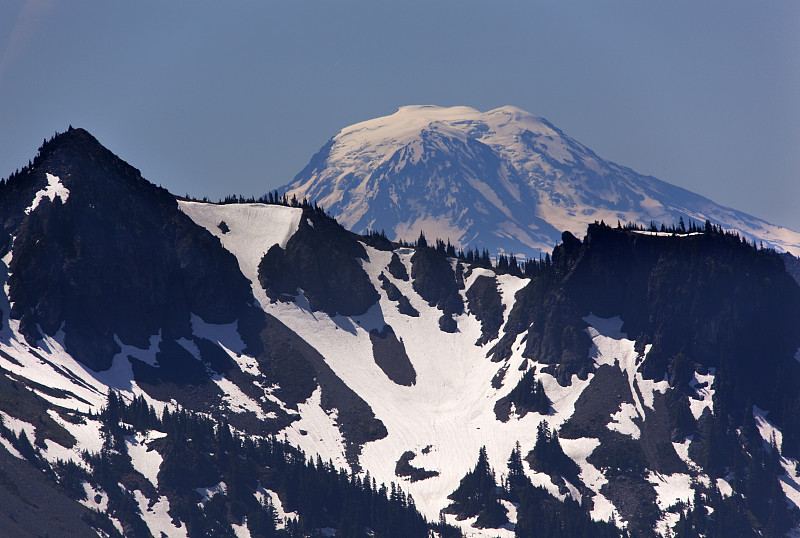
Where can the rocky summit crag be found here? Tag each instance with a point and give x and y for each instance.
(180, 368)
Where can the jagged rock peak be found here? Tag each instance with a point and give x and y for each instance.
(83, 222)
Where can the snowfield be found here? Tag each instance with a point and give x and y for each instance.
(446, 416)
(253, 229)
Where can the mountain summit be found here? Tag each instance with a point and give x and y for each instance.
(503, 179)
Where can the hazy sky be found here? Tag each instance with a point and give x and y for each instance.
(212, 97)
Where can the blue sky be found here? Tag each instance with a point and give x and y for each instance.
(211, 97)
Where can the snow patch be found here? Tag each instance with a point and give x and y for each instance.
(671, 488)
(157, 517)
(543, 480)
(725, 489)
(51, 366)
(207, 493)
(241, 531)
(769, 433)
(8, 446)
(237, 400)
(448, 412)
(282, 515)
(53, 190)
(144, 459)
(87, 437)
(579, 450)
(790, 483)
(191, 347)
(468, 531)
(682, 449)
(95, 499)
(511, 512)
(622, 420)
(227, 337)
(18, 426)
(665, 234)
(316, 432)
(705, 394)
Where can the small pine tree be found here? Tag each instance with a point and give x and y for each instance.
(421, 241)
(515, 467)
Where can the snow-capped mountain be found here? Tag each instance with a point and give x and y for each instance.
(198, 369)
(503, 179)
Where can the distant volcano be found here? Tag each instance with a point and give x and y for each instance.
(504, 180)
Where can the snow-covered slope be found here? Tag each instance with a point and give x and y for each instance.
(448, 413)
(502, 179)
(246, 230)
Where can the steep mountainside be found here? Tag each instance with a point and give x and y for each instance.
(200, 369)
(503, 180)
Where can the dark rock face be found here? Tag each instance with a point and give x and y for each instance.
(555, 327)
(403, 468)
(434, 279)
(447, 324)
(708, 300)
(33, 506)
(179, 375)
(604, 396)
(119, 262)
(791, 262)
(394, 294)
(700, 301)
(390, 355)
(118, 258)
(623, 457)
(397, 269)
(709, 296)
(321, 258)
(486, 304)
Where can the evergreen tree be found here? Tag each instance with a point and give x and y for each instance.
(515, 467)
(477, 495)
(548, 457)
(529, 395)
(421, 241)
